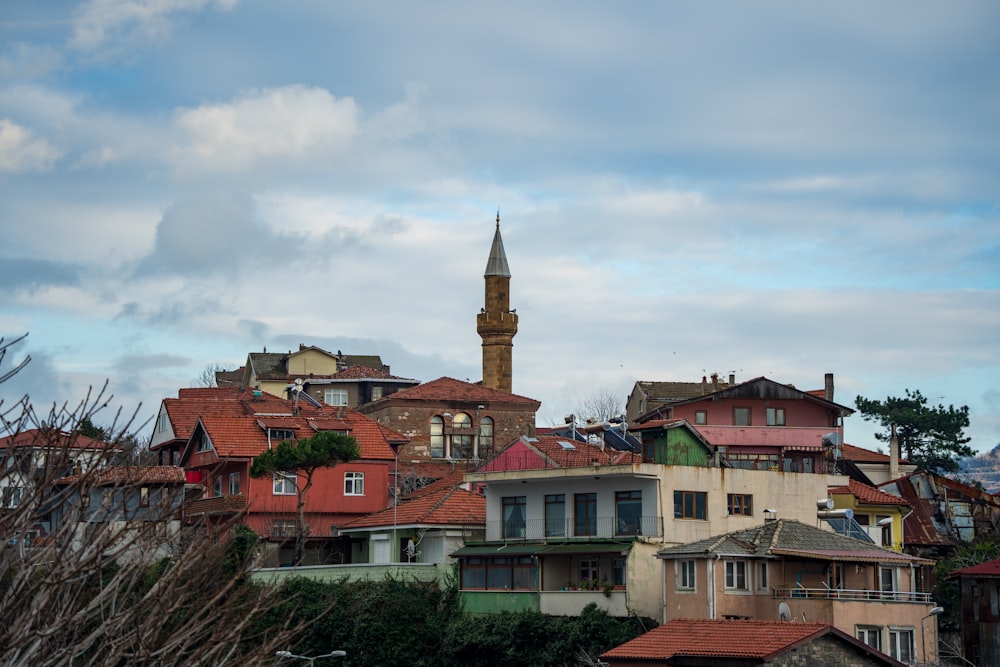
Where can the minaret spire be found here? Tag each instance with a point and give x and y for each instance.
(496, 323)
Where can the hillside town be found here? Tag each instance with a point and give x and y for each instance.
(730, 511)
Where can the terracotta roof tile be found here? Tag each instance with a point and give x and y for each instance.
(53, 439)
(449, 506)
(450, 389)
(862, 455)
(990, 568)
(132, 475)
(717, 638)
(867, 494)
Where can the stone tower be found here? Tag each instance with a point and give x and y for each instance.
(496, 323)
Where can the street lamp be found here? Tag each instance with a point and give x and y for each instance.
(923, 645)
(289, 654)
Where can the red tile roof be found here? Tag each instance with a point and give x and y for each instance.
(53, 439)
(450, 389)
(718, 638)
(132, 475)
(546, 451)
(862, 455)
(868, 495)
(448, 506)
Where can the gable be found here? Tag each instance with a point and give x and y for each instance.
(311, 360)
(518, 456)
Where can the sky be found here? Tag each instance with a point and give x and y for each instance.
(778, 189)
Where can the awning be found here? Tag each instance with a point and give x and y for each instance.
(561, 549)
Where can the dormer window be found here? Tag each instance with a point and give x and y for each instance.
(204, 444)
(279, 434)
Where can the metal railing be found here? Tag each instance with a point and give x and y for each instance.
(597, 527)
(852, 594)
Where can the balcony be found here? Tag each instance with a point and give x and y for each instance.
(599, 527)
(856, 595)
(218, 506)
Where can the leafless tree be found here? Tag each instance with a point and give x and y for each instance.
(602, 405)
(207, 376)
(89, 579)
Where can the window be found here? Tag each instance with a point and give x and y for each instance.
(701, 417)
(486, 437)
(217, 486)
(736, 575)
(354, 484)
(690, 504)
(628, 512)
(437, 437)
(589, 569)
(618, 571)
(555, 515)
(740, 504)
(869, 634)
(11, 496)
(585, 514)
(901, 644)
(143, 496)
(741, 416)
(284, 484)
(514, 508)
(161, 423)
(279, 434)
(887, 579)
(762, 576)
(886, 529)
(234, 484)
(376, 393)
(502, 573)
(335, 397)
(461, 436)
(684, 575)
(204, 444)
(775, 416)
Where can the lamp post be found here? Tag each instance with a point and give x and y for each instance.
(923, 645)
(289, 654)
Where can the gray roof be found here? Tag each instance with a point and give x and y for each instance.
(783, 536)
(496, 265)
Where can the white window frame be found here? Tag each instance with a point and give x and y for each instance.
(204, 444)
(234, 484)
(330, 392)
(863, 633)
(285, 484)
(896, 649)
(685, 576)
(217, 486)
(354, 483)
(733, 571)
(775, 416)
(761, 576)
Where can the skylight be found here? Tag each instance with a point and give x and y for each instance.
(566, 445)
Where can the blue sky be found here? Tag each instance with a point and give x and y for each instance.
(771, 188)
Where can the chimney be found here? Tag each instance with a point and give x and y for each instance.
(715, 382)
(703, 381)
(828, 387)
(893, 454)
(732, 379)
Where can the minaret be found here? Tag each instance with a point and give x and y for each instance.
(496, 323)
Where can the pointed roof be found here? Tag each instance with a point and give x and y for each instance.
(450, 389)
(787, 537)
(988, 569)
(716, 639)
(867, 495)
(442, 506)
(496, 265)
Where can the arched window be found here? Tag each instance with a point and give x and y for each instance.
(485, 438)
(437, 437)
(461, 436)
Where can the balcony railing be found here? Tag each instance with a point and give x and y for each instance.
(598, 527)
(217, 505)
(851, 594)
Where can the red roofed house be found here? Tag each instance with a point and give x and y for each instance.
(879, 514)
(789, 570)
(765, 425)
(980, 586)
(724, 643)
(215, 434)
(428, 525)
(452, 420)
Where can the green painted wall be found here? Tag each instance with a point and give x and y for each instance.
(679, 447)
(493, 602)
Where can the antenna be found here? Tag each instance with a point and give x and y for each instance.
(784, 612)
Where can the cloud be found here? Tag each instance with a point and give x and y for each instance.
(213, 234)
(18, 273)
(112, 26)
(20, 151)
(135, 363)
(288, 123)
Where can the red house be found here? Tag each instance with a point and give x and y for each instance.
(218, 432)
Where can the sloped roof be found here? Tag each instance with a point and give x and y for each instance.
(868, 495)
(443, 506)
(268, 365)
(988, 569)
(450, 389)
(496, 264)
(49, 438)
(669, 392)
(747, 639)
(131, 475)
(787, 537)
(552, 451)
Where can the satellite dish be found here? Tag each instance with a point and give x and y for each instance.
(411, 549)
(784, 612)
